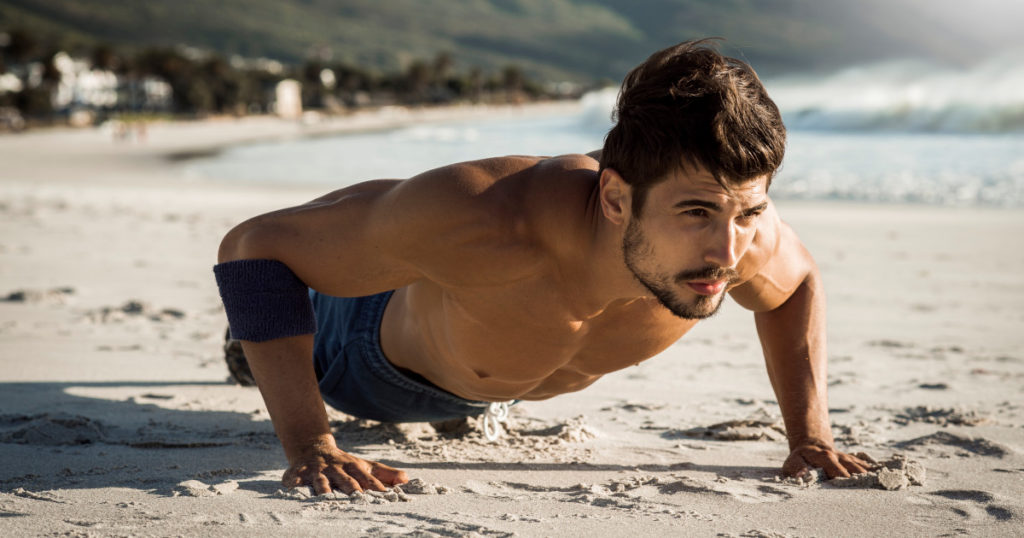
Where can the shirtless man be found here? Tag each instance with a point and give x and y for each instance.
(522, 278)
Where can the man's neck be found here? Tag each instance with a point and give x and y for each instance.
(596, 275)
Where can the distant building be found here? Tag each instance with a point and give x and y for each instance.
(288, 99)
(83, 88)
(10, 83)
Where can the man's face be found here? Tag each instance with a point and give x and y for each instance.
(692, 233)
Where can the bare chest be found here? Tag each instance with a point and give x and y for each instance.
(518, 338)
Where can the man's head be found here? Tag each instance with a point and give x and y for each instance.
(695, 146)
(690, 106)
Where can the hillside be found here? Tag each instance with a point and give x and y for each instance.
(553, 39)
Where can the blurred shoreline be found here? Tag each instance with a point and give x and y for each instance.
(890, 169)
(55, 154)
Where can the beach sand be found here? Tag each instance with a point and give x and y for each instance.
(117, 419)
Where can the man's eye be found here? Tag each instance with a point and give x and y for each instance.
(748, 218)
(696, 212)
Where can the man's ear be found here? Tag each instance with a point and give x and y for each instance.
(615, 195)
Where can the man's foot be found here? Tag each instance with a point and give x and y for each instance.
(237, 365)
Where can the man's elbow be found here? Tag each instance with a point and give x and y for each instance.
(245, 241)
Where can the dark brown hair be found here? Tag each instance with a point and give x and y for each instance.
(689, 105)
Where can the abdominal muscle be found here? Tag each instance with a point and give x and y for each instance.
(501, 345)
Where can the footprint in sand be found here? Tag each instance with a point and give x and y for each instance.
(941, 443)
(940, 416)
(973, 508)
(983, 498)
(51, 429)
(734, 430)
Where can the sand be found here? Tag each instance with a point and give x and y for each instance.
(116, 417)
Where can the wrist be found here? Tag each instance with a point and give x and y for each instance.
(812, 428)
(820, 441)
(298, 449)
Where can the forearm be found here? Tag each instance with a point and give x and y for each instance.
(269, 311)
(794, 343)
(283, 369)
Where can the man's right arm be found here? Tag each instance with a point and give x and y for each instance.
(365, 239)
(283, 367)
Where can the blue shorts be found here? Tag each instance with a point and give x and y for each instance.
(356, 378)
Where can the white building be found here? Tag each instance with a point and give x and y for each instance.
(10, 83)
(81, 86)
(288, 99)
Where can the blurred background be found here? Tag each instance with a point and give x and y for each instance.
(887, 100)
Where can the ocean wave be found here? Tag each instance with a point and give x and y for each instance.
(893, 96)
(908, 96)
(597, 109)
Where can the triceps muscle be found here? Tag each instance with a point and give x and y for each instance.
(338, 244)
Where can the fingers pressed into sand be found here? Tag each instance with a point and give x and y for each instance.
(321, 485)
(853, 464)
(342, 481)
(795, 466)
(389, 475)
(372, 483)
(362, 474)
(291, 480)
(833, 468)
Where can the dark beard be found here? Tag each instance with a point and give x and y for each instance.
(636, 248)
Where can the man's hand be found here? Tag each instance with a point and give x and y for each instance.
(283, 369)
(835, 464)
(325, 468)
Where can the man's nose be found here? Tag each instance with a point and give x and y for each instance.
(722, 249)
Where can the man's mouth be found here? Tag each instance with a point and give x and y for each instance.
(712, 287)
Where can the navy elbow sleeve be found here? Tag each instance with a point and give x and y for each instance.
(264, 300)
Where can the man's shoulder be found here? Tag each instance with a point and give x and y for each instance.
(509, 174)
(774, 266)
(501, 191)
(489, 218)
(764, 246)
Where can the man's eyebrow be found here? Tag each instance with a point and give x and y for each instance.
(756, 209)
(715, 207)
(698, 203)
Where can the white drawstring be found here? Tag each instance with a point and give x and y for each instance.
(496, 413)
